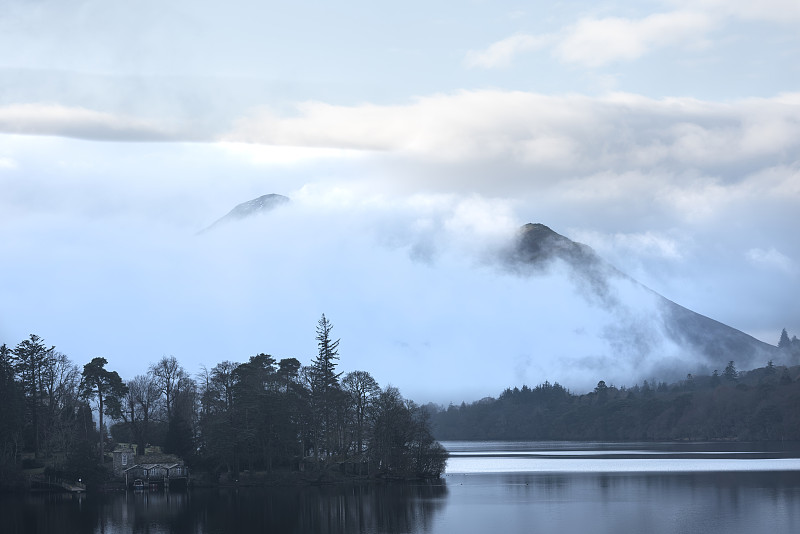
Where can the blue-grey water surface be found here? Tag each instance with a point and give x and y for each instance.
(508, 487)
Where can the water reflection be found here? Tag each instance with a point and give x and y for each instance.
(323, 509)
(730, 503)
(480, 493)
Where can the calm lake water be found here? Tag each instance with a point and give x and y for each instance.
(497, 487)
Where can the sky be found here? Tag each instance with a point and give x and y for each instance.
(414, 139)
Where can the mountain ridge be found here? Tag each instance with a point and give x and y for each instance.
(537, 245)
(700, 340)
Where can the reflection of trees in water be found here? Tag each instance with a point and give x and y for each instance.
(47, 512)
(340, 508)
(400, 507)
(729, 490)
(141, 511)
(730, 502)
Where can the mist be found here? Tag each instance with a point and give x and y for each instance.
(417, 289)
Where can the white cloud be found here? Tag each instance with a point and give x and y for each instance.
(771, 258)
(576, 132)
(650, 243)
(681, 157)
(82, 123)
(501, 53)
(597, 42)
(271, 155)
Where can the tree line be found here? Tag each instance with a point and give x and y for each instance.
(758, 405)
(260, 415)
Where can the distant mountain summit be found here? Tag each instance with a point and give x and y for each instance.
(642, 321)
(258, 205)
(701, 338)
(537, 243)
(537, 247)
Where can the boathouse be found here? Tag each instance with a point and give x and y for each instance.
(152, 469)
(157, 475)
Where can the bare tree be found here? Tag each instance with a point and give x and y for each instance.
(140, 405)
(61, 379)
(168, 375)
(361, 388)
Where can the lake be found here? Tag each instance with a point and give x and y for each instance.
(502, 487)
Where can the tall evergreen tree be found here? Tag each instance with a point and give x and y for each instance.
(32, 357)
(324, 386)
(327, 354)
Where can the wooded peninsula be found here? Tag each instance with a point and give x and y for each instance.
(262, 420)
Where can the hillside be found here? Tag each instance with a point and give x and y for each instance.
(708, 341)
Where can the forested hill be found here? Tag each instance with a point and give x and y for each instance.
(762, 404)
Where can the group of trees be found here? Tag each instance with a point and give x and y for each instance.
(758, 405)
(264, 414)
(45, 410)
(790, 346)
(259, 415)
(761, 404)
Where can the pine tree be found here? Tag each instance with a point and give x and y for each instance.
(784, 342)
(328, 352)
(32, 357)
(107, 387)
(324, 385)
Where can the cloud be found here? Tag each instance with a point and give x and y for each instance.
(147, 288)
(574, 132)
(772, 259)
(501, 53)
(384, 266)
(559, 135)
(609, 159)
(597, 42)
(271, 155)
(7, 163)
(82, 123)
(653, 244)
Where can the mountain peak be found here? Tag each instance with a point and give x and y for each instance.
(711, 342)
(538, 244)
(252, 207)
